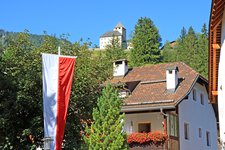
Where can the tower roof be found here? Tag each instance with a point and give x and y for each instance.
(119, 25)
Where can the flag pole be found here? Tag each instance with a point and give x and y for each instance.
(59, 50)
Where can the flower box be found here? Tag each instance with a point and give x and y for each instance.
(151, 140)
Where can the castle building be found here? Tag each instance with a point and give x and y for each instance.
(118, 32)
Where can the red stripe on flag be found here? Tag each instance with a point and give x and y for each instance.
(66, 69)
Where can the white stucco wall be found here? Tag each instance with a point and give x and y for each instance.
(221, 84)
(155, 118)
(104, 41)
(197, 116)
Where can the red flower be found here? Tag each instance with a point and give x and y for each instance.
(156, 138)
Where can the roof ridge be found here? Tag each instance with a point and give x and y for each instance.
(150, 65)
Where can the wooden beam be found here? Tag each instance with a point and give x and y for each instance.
(214, 73)
(216, 21)
(216, 46)
(210, 64)
(219, 7)
(214, 93)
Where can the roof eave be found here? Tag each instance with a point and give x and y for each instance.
(190, 89)
(149, 108)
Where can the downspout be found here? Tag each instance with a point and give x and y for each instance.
(165, 116)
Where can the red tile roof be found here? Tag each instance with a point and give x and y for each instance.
(151, 90)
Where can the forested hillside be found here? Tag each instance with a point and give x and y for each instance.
(190, 48)
(36, 40)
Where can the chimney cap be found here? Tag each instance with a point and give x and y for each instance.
(172, 68)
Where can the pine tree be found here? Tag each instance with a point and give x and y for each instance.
(202, 60)
(191, 48)
(187, 47)
(146, 42)
(183, 33)
(106, 130)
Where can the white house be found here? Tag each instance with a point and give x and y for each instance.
(171, 98)
(217, 61)
(119, 32)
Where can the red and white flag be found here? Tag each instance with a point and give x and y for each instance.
(57, 73)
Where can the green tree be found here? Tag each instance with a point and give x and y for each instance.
(169, 53)
(85, 90)
(21, 105)
(191, 48)
(202, 60)
(106, 129)
(183, 34)
(114, 50)
(21, 116)
(146, 42)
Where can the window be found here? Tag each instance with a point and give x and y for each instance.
(202, 99)
(199, 132)
(194, 94)
(170, 71)
(144, 127)
(172, 124)
(186, 131)
(208, 142)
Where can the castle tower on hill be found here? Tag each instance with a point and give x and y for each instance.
(118, 32)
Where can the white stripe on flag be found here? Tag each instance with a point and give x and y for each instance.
(50, 86)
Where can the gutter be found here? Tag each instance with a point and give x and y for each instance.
(146, 108)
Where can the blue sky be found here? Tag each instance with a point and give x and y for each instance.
(91, 18)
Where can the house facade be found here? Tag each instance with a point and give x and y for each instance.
(118, 33)
(171, 98)
(217, 61)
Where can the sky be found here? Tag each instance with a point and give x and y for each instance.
(92, 18)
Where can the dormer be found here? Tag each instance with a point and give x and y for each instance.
(172, 78)
(120, 67)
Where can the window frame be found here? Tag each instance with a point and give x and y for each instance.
(186, 131)
(173, 125)
(208, 139)
(202, 98)
(194, 95)
(200, 132)
(144, 123)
